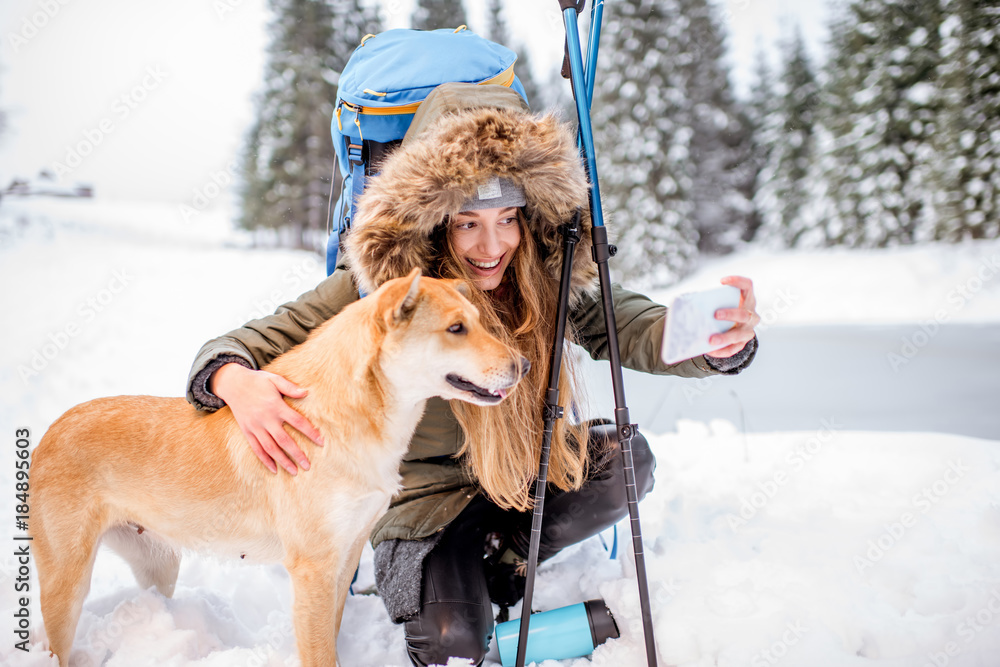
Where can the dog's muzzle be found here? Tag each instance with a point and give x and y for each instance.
(487, 395)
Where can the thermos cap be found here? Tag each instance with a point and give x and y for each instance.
(602, 623)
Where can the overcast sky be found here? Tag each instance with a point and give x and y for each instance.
(150, 100)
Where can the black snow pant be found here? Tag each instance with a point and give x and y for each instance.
(456, 614)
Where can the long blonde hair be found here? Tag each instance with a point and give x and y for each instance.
(502, 446)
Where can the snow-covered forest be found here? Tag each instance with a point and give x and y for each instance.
(893, 140)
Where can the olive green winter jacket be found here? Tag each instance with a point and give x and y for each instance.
(435, 485)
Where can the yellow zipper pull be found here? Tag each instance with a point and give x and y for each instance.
(357, 121)
(340, 126)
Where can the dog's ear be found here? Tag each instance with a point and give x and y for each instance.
(404, 309)
(462, 287)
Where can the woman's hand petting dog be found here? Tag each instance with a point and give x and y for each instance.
(745, 317)
(257, 401)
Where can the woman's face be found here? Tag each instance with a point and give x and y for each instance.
(486, 240)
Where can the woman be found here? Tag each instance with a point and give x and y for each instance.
(477, 192)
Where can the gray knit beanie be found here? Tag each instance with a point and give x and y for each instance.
(495, 193)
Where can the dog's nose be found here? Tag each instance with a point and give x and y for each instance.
(522, 367)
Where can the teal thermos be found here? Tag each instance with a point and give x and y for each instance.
(567, 632)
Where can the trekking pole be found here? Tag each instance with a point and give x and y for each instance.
(552, 412)
(590, 74)
(602, 252)
(596, 19)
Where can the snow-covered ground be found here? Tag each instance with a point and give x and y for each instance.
(796, 546)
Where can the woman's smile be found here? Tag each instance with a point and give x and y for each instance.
(486, 241)
(485, 265)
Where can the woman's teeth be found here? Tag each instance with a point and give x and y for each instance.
(484, 265)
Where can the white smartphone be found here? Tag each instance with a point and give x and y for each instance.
(691, 322)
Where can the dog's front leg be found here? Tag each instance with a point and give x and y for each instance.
(314, 609)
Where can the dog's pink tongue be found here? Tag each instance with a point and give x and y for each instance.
(502, 393)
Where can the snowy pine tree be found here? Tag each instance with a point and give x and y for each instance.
(761, 114)
(720, 144)
(968, 171)
(496, 23)
(882, 111)
(762, 106)
(643, 144)
(671, 139)
(497, 32)
(790, 176)
(289, 156)
(435, 14)
(3, 122)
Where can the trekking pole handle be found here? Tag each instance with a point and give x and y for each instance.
(582, 109)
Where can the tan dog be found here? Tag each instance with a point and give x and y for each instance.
(152, 475)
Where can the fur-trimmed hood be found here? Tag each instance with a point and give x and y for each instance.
(433, 173)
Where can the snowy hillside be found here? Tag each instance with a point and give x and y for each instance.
(810, 543)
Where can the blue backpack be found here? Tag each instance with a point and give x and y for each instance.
(379, 91)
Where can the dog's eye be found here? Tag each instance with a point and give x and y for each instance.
(457, 328)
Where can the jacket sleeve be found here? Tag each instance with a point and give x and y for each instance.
(259, 341)
(640, 323)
